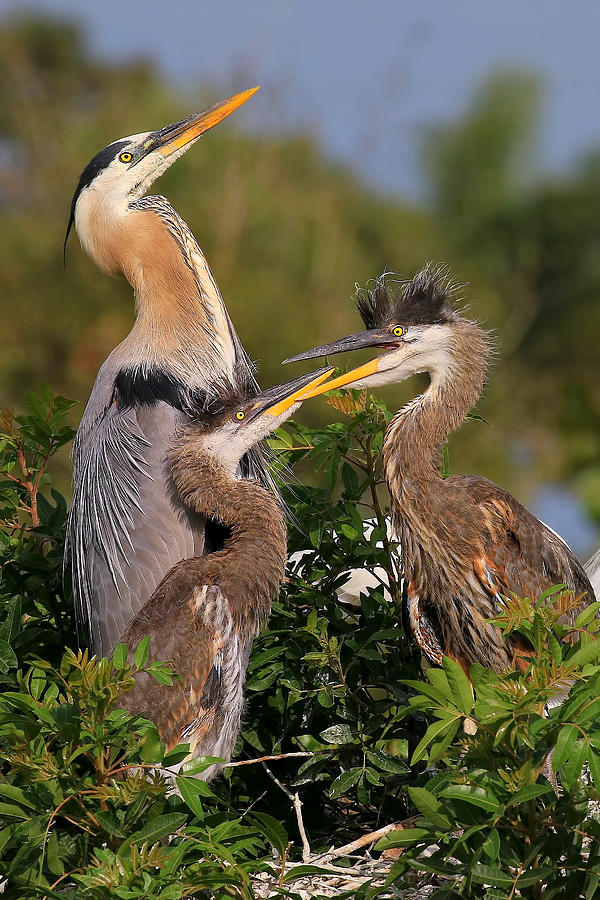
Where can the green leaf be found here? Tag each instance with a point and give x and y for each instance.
(273, 830)
(9, 809)
(585, 617)
(200, 764)
(473, 794)
(160, 827)
(403, 837)
(176, 755)
(15, 793)
(588, 653)
(344, 782)
(338, 734)
(140, 657)
(191, 792)
(489, 875)
(120, 656)
(572, 768)
(491, 845)
(152, 748)
(386, 762)
(460, 685)
(529, 792)
(304, 871)
(429, 806)
(53, 855)
(8, 659)
(434, 730)
(565, 744)
(594, 764)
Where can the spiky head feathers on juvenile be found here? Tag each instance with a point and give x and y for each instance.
(415, 326)
(426, 299)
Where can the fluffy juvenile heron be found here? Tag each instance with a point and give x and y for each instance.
(465, 541)
(128, 526)
(206, 612)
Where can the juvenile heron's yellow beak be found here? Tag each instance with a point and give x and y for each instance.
(343, 380)
(298, 395)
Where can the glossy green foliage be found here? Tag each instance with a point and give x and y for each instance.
(339, 713)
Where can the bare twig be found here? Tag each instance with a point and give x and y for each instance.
(263, 759)
(297, 804)
(362, 841)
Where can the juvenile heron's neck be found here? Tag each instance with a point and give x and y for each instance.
(413, 438)
(251, 565)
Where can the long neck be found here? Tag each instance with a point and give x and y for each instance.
(181, 323)
(251, 565)
(412, 441)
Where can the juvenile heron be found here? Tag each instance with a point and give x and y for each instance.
(128, 525)
(465, 541)
(206, 612)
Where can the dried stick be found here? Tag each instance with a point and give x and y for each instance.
(264, 759)
(297, 804)
(357, 844)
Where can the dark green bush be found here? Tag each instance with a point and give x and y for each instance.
(343, 735)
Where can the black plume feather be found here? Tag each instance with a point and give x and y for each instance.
(426, 299)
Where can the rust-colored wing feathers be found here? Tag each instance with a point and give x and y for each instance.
(513, 553)
(523, 556)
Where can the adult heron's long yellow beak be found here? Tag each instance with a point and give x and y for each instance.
(177, 136)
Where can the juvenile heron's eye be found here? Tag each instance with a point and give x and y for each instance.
(240, 415)
(126, 156)
(398, 331)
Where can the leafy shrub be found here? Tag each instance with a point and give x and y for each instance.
(344, 739)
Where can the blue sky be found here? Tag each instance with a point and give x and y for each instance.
(366, 77)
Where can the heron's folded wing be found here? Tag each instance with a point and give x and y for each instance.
(521, 554)
(187, 639)
(127, 525)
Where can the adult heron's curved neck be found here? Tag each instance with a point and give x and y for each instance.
(178, 304)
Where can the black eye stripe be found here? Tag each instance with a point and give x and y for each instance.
(94, 167)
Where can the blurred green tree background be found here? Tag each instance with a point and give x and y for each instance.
(287, 233)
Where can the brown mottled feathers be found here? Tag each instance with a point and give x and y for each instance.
(181, 638)
(525, 556)
(466, 543)
(206, 612)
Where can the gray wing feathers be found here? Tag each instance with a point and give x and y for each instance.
(127, 526)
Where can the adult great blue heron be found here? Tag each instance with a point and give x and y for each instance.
(465, 542)
(127, 525)
(205, 614)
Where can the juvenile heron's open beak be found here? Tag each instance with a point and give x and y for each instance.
(278, 399)
(345, 380)
(175, 137)
(360, 341)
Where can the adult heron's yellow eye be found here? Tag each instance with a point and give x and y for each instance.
(126, 156)
(240, 415)
(398, 331)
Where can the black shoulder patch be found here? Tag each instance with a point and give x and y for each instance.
(147, 386)
(94, 167)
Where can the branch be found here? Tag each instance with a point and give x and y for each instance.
(263, 759)
(297, 804)
(362, 841)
